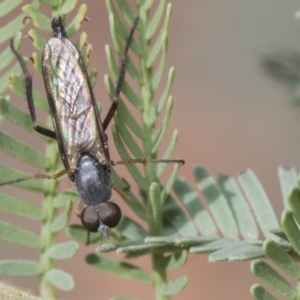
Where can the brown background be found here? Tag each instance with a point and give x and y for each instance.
(230, 117)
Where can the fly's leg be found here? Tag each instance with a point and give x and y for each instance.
(28, 87)
(127, 185)
(121, 77)
(55, 176)
(79, 209)
(120, 192)
(37, 176)
(145, 160)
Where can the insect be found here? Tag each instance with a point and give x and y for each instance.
(78, 129)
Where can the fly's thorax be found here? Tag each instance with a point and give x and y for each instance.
(92, 180)
(101, 156)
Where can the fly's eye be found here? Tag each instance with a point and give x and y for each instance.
(90, 219)
(110, 214)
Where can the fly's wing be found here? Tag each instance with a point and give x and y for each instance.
(70, 101)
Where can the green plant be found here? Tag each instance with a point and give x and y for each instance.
(228, 231)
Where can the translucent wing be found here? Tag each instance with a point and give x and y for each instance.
(70, 101)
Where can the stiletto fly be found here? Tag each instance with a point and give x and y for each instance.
(80, 134)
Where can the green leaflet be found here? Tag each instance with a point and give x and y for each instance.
(175, 286)
(272, 278)
(60, 279)
(86, 55)
(118, 29)
(15, 235)
(134, 203)
(125, 114)
(9, 30)
(7, 6)
(15, 115)
(132, 71)
(39, 20)
(259, 202)
(79, 234)
(15, 69)
(38, 40)
(20, 207)
(288, 180)
(128, 13)
(156, 205)
(16, 85)
(153, 24)
(158, 76)
(68, 6)
(294, 198)
(119, 268)
(21, 151)
(63, 250)
(191, 201)
(60, 222)
(63, 198)
(291, 229)
(173, 214)
(168, 153)
(281, 258)
(174, 261)
(260, 293)
(21, 268)
(214, 246)
(6, 57)
(131, 229)
(128, 139)
(159, 42)
(238, 250)
(239, 207)
(216, 201)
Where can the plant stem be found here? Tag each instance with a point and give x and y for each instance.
(48, 238)
(160, 277)
(147, 95)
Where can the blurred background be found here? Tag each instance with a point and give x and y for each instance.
(230, 115)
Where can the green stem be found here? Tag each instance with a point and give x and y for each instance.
(48, 238)
(159, 275)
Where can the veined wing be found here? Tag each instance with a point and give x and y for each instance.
(70, 101)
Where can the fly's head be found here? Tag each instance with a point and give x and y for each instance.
(99, 218)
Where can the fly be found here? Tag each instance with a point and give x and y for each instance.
(78, 129)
